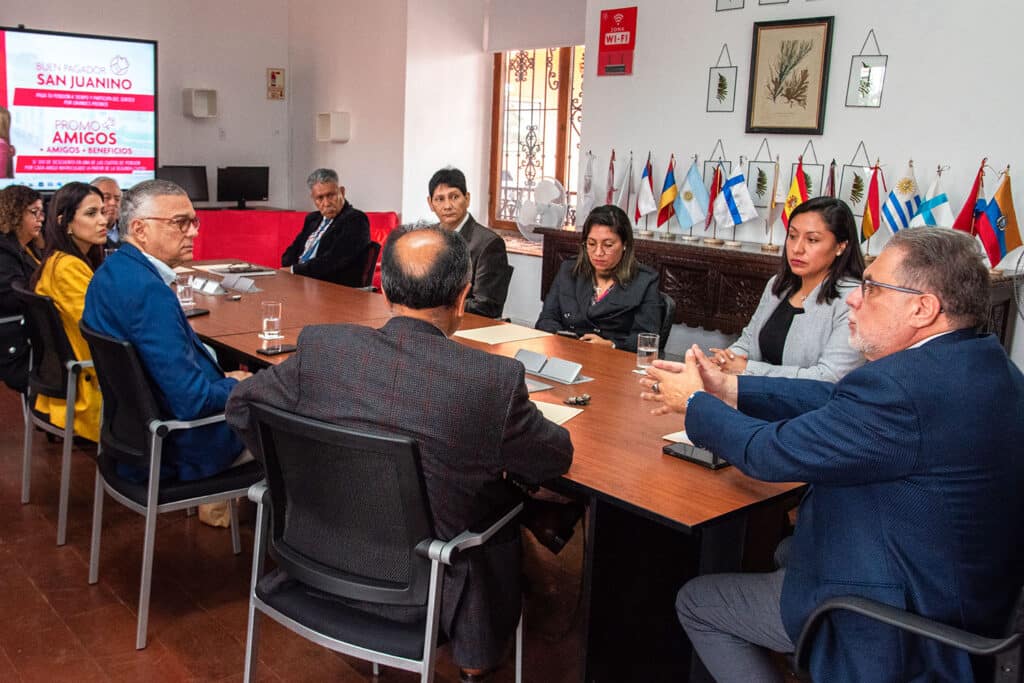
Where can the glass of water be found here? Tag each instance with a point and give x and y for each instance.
(646, 350)
(271, 320)
(183, 285)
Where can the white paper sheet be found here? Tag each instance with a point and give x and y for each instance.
(500, 334)
(678, 437)
(556, 412)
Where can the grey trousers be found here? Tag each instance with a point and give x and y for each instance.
(733, 619)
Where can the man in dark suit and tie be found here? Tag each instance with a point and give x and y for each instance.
(333, 241)
(468, 410)
(449, 201)
(915, 464)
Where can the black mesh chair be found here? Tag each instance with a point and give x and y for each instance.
(1007, 651)
(133, 432)
(369, 264)
(344, 515)
(53, 372)
(668, 318)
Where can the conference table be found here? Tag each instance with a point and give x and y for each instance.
(653, 521)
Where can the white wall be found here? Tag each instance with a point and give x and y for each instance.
(949, 93)
(447, 102)
(195, 50)
(349, 56)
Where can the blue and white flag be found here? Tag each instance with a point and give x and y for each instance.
(734, 205)
(935, 209)
(691, 202)
(903, 202)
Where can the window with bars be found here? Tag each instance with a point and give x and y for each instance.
(535, 127)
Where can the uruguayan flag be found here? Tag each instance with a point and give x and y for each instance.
(903, 202)
(692, 201)
(734, 205)
(935, 209)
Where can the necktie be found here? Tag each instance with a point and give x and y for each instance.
(314, 241)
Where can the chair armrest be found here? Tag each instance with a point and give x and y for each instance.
(258, 491)
(162, 427)
(901, 619)
(11, 319)
(443, 550)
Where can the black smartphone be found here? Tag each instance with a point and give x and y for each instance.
(193, 312)
(568, 333)
(277, 350)
(695, 455)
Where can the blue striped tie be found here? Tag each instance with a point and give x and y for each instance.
(314, 240)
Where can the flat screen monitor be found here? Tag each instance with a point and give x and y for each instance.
(243, 183)
(74, 107)
(192, 179)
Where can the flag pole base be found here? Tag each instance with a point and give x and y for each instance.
(771, 248)
(689, 238)
(669, 236)
(733, 243)
(646, 234)
(714, 241)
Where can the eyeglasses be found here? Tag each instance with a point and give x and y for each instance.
(182, 223)
(38, 213)
(867, 285)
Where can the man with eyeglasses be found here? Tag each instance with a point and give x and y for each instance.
(130, 298)
(333, 241)
(915, 463)
(111, 208)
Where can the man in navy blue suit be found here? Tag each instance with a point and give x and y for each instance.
(915, 464)
(130, 298)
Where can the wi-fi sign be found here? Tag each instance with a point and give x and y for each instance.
(618, 18)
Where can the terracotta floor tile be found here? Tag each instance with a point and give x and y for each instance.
(7, 670)
(203, 646)
(51, 641)
(155, 664)
(46, 669)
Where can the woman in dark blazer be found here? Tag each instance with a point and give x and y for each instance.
(604, 296)
(21, 222)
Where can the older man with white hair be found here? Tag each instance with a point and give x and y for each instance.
(130, 298)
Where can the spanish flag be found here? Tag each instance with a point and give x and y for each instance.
(797, 192)
(872, 209)
(669, 192)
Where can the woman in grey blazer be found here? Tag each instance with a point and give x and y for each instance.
(800, 326)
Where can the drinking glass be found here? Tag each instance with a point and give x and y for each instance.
(271, 320)
(183, 285)
(646, 351)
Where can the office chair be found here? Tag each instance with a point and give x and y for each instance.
(133, 432)
(345, 517)
(1008, 651)
(53, 372)
(369, 265)
(668, 317)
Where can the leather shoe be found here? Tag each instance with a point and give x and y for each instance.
(467, 677)
(551, 523)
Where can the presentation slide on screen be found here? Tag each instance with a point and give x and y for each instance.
(75, 107)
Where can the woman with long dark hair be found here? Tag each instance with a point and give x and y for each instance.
(604, 296)
(21, 223)
(800, 326)
(75, 232)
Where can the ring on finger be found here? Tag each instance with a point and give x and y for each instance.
(656, 387)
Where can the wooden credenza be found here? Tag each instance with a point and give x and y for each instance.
(718, 288)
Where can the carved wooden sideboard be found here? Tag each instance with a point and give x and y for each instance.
(718, 288)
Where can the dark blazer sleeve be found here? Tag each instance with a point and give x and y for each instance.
(551, 316)
(646, 319)
(291, 255)
(868, 431)
(490, 272)
(344, 242)
(534, 449)
(277, 385)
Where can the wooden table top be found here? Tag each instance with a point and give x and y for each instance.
(617, 441)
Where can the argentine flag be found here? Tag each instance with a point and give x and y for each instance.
(734, 205)
(691, 202)
(935, 209)
(903, 202)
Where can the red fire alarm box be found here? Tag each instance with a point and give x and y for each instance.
(617, 42)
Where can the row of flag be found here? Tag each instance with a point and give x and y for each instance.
(993, 221)
(728, 202)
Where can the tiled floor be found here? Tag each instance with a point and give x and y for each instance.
(56, 627)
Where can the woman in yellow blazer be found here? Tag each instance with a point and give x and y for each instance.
(75, 233)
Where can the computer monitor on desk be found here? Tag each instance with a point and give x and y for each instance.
(243, 183)
(192, 179)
